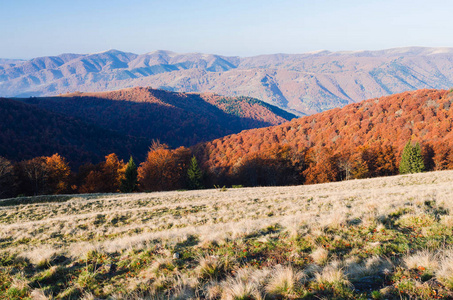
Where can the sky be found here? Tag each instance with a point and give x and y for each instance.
(30, 28)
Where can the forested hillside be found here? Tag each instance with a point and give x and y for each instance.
(359, 140)
(86, 127)
(90, 135)
(27, 131)
(173, 118)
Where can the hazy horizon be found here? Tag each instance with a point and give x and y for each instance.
(232, 28)
(241, 56)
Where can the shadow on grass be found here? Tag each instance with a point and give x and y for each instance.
(47, 199)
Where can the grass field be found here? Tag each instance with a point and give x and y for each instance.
(379, 238)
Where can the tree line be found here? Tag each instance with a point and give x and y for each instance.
(179, 169)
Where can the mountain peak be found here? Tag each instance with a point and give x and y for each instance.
(162, 52)
(110, 51)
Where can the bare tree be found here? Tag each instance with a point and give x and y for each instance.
(7, 183)
(36, 173)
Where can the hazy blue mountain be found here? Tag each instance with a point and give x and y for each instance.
(302, 83)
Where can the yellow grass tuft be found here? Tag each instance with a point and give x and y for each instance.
(320, 256)
(285, 282)
(237, 289)
(40, 255)
(445, 272)
(38, 294)
(332, 275)
(425, 260)
(209, 267)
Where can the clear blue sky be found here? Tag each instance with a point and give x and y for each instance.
(31, 28)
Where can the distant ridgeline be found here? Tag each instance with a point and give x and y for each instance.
(304, 83)
(358, 141)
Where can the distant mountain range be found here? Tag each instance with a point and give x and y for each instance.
(84, 127)
(302, 83)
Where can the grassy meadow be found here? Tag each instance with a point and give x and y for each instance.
(381, 238)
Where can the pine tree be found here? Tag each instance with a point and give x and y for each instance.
(411, 159)
(129, 182)
(194, 175)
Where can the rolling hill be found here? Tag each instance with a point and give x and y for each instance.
(349, 139)
(302, 83)
(43, 126)
(27, 131)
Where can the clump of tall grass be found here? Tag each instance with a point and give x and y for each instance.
(41, 255)
(239, 289)
(320, 256)
(445, 272)
(332, 276)
(211, 267)
(424, 260)
(374, 265)
(285, 282)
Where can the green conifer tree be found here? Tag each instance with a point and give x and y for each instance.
(194, 175)
(411, 159)
(129, 183)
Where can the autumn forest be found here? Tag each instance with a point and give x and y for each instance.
(358, 141)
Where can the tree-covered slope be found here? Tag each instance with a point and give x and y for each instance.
(27, 131)
(357, 138)
(173, 118)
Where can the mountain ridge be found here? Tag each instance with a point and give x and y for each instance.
(304, 83)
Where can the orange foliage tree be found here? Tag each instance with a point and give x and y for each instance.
(322, 165)
(58, 173)
(164, 169)
(44, 175)
(105, 177)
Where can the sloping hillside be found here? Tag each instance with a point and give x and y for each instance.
(27, 131)
(381, 126)
(303, 83)
(382, 238)
(173, 118)
(124, 122)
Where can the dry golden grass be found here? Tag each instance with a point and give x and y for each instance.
(38, 294)
(320, 256)
(445, 273)
(334, 233)
(116, 222)
(423, 259)
(285, 281)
